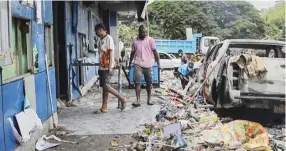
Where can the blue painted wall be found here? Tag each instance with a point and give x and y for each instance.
(12, 104)
(70, 40)
(2, 140)
(13, 92)
(113, 18)
(81, 23)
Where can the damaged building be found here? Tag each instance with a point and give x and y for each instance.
(39, 41)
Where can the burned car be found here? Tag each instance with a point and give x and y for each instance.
(245, 72)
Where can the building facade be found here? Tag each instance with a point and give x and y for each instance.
(38, 42)
(26, 34)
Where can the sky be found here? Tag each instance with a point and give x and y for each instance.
(261, 4)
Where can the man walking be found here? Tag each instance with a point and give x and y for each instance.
(106, 68)
(143, 50)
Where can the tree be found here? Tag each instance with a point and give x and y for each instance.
(174, 17)
(235, 19)
(213, 18)
(223, 19)
(274, 19)
(127, 32)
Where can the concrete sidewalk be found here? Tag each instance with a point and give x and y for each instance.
(81, 121)
(96, 131)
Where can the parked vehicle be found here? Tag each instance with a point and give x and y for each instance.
(230, 86)
(187, 46)
(168, 61)
(207, 42)
(198, 68)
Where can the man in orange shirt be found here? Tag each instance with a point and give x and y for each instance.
(106, 68)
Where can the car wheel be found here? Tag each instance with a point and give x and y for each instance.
(214, 95)
(222, 87)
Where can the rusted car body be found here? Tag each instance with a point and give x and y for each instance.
(228, 85)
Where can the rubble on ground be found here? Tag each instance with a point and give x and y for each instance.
(180, 125)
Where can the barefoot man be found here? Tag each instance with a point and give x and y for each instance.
(106, 68)
(143, 50)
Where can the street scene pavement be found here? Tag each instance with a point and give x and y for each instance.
(117, 130)
(71, 71)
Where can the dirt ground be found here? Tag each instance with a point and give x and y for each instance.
(93, 143)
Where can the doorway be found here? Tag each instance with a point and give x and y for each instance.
(60, 49)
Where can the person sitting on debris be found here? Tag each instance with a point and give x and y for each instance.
(106, 68)
(185, 71)
(143, 51)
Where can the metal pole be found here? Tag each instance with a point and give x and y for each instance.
(49, 87)
(70, 73)
(119, 82)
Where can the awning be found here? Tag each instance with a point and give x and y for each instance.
(137, 6)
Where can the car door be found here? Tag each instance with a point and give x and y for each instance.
(165, 61)
(212, 68)
(207, 70)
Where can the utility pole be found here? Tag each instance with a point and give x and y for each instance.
(147, 17)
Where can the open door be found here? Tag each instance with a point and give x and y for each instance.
(60, 49)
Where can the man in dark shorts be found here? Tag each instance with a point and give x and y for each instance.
(106, 68)
(143, 51)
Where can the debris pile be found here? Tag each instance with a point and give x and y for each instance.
(277, 137)
(180, 125)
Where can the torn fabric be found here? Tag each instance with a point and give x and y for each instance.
(252, 65)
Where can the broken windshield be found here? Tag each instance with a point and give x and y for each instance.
(270, 51)
(210, 42)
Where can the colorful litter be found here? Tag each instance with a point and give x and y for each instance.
(250, 135)
(178, 127)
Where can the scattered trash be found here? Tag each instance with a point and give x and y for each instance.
(84, 137)
(186, 122)
(172, 129)
(42, 144)
(28, 121)
(114, 143)
(250, 135)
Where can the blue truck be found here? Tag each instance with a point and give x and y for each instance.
(198, 42)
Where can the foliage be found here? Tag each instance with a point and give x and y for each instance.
(275, 21)
(127, 32)
(173, 17)
(223, 19)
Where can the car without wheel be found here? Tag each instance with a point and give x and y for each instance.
(245, 72)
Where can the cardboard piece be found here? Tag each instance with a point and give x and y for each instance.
(172, 129)
(28, 121)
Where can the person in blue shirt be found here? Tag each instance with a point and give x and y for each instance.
(185, 71)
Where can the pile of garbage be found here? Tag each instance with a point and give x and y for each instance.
(181, 126)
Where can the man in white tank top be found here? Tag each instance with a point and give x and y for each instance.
(106, 68)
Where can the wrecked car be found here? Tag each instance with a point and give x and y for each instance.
(246, 73)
